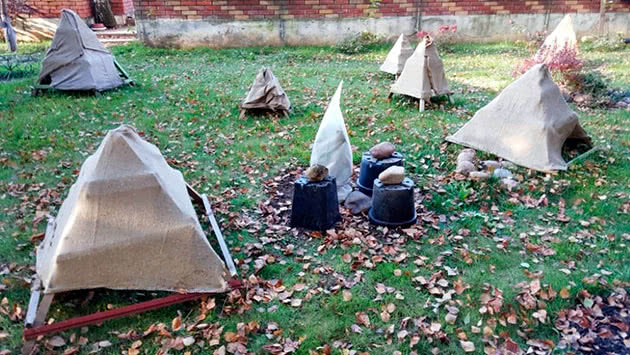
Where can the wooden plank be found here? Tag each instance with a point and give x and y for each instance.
(99, 317)
(121, 69)
(215, 226)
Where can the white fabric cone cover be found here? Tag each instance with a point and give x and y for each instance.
(397, 56)
(563, 36)
(266, 93)
(423, 74)
(332, 146)
(77, 60)
(128, 223)
(527, 123)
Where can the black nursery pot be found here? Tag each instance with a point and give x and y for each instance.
(315, 205)
(372, 168)
(393, 205)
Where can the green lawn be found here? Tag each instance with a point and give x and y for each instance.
(186, 103)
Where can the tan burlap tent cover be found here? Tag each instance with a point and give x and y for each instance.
(332, 146)
(128, 223)
(423, 75)
(77, 60)
(527, 123)
(562, 37)
(266, 93)
(397, 56)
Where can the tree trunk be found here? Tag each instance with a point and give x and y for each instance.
(103, 13)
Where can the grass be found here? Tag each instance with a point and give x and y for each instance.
(186, 103)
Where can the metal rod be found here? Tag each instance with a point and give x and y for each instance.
(224, 249)
(100, 317)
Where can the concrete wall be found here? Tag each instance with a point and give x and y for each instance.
(186, 33)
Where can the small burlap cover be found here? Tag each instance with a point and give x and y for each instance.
(397, 56)
(266, 93)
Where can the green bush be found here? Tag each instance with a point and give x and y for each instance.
(359, 43)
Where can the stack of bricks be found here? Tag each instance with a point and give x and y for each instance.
(290, 9)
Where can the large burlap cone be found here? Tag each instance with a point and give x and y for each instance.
(77, 60)
(128, 223)
(527, 123)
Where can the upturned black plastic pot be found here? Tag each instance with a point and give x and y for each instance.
(393, 205)
(315, 205)
(371, 168)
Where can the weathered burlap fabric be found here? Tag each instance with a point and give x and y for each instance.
(527, 123)
(128, 223)
(423, 75)
(332, 146)
(435, 71)
(563, 36)
(77, 60)
(397, 56)
(266, 93)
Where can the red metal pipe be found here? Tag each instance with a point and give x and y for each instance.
(99, 317)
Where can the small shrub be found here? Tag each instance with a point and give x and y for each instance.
(360, 43)
(564, 61)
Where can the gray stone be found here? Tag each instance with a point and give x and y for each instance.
(358, 202)
(509, 183)
(507, 165)
(382, 150)
(502, 173)
(465, 167)
(316, 173)
(466, 155)
(479, 175)
(393, 175)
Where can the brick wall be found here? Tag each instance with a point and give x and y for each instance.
(122, 7)
(294, 9)
(52, 8)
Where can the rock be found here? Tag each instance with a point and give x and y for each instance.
(382, 150)
(358, 202)
(502, 173)
(490, 165)
(465, 167)
(582, 99)
(466, 155)
(393, 175)
(316, 173)
(479, 175)
(508, 165)
(509, 183)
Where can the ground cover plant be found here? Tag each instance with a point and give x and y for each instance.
(483, 269)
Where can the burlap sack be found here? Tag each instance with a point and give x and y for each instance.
(332, 146)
